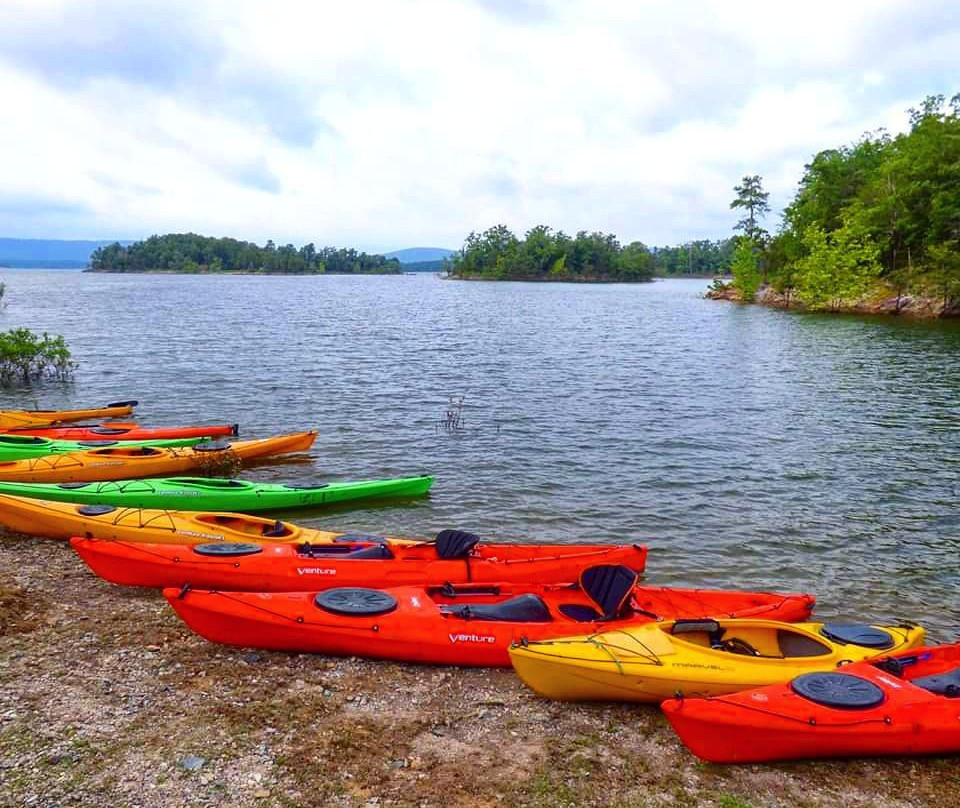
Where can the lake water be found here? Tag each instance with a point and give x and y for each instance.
(748, 447)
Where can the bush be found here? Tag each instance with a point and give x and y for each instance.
(26, 357)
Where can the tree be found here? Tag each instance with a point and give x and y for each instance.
(753, 199)
(745, 269)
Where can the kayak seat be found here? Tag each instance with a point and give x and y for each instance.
(798, 645)
(580, 612)
(455, 543)
(275, 530)
(345, 551)
(942, 684)
(609, 587)
(521, 609)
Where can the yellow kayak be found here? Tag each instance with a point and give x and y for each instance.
(657, 661)
(61, 520)
(125, 463)
(24, 419)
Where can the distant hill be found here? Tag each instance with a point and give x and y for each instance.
(416, 255)
(51, 253)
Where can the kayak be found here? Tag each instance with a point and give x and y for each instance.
(118, 462)
(239, 557)
(654, 662)
(23, 447)
(450, 624)
(905, 704)
(122, 430)
(216, 494)
(17, 419)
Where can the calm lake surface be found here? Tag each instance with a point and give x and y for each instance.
(748, 447)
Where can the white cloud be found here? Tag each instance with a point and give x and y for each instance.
(383, 124)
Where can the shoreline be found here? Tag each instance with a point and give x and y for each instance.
(882, 302)
(106, 698)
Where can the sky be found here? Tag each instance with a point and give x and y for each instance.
(382, 124)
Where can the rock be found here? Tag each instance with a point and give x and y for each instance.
(192, 763)
(261, 793)
(252, 657)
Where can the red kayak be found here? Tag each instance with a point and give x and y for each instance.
(456, 624)
(904, 704)
(346, 560)
(128, 431)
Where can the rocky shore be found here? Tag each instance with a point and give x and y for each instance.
(106, 699)
(881, 302)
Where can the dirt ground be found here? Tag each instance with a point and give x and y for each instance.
(106, 699)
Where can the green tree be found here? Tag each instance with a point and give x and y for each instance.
(753, 199)
(840, 266)
(745, 269)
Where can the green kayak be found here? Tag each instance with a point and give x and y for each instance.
(215, 494)
(25, 447)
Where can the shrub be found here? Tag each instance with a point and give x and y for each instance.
(26, 357)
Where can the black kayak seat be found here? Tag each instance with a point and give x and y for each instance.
(842, 691)
(455, 543)
(942, 684)
(580, 612)
(609, 586)
(520, 609)
(857, 634)
(275, 530)
(131, 403)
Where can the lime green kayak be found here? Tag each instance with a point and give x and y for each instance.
(215, 494)
(24, 447)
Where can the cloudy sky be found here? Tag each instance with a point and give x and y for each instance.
(384, 124)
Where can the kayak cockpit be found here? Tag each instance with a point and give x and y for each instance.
(212, 483)
(748, 638)
(248, 525)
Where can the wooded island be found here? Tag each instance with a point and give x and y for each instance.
(188, 252)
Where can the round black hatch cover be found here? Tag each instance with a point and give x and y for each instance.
(857, 634)
(356, 601)
(95, 510)
(212, 446)
(228, 548)
(73, 485)
(296, 486)
(108, 430)
(840, 690)
(97, 443)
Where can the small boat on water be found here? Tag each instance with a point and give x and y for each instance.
(119, 462)
(126, 430)
(19, 419)
(23, 447)
(216, 494)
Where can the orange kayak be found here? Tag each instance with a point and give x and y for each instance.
(122, 430)
(23, 419)
(469, 624)
(293, 559)
(122, 463)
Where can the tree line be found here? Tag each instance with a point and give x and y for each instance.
(188, 252)
(545, 254)
(882, 214)
(702, 257)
